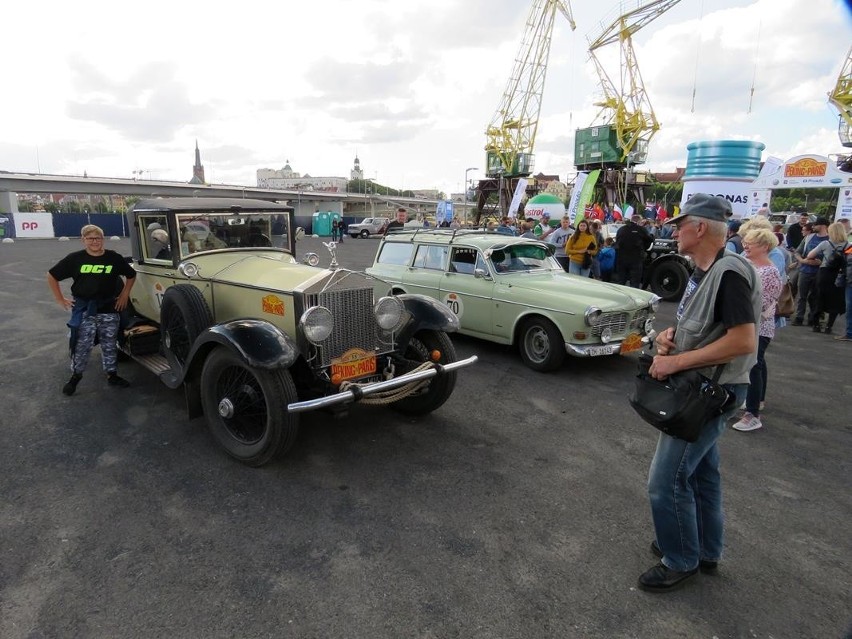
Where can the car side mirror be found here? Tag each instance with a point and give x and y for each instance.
(481, 273)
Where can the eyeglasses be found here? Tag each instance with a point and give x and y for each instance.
(94, 239)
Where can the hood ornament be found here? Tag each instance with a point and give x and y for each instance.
(332, 249)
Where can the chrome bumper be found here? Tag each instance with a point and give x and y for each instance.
(363, 391)
(598, 350)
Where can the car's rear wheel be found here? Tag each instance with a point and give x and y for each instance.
(420, 348)
(246, 407)
(668, 280)
(184, 315)
(542, 346)
(365, 234)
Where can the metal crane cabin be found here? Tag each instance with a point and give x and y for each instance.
(510, 137)
(841, 97)
(626, 121)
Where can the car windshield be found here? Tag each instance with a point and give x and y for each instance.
(520, 258)
(210, 232)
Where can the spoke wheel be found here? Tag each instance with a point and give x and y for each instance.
(669, 280)
(440, 387)
(246, 407)
(183, 317)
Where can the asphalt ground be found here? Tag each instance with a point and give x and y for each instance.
(516, 510)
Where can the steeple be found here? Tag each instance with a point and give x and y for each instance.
(198, 169)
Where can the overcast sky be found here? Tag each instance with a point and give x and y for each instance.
(111, 87)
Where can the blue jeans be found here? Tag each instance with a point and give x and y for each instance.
(685, 490)
(757, 378)
(849, 312)
(577, 269)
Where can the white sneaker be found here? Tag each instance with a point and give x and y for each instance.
(747, 423)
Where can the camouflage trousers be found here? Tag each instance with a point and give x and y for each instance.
(104, 326)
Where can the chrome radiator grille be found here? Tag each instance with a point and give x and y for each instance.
(354, 322)
(621, 323)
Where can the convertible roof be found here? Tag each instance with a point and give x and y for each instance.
(209, 204)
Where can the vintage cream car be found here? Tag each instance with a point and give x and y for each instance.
(510, 290)
(255, 337)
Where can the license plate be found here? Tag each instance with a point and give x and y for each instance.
(352, 365)
(595, 351)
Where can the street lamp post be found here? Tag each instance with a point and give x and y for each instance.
(464, 207)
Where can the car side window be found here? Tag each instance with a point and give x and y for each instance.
(465, 260)
(155, 237)
(431, 257)
(395, 253)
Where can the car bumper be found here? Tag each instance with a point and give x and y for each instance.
(349, 396)
(597, 350)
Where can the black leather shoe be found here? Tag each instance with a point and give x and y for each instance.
(663, 579)
(705, 565)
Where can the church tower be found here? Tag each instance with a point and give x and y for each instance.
(356, 173)
(198, 169)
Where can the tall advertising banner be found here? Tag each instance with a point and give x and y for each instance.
(575, 194)
(586, 195)
(844, 205)
(33, 225)
(520, 189)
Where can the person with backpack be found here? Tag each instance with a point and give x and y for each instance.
(830, 298)
(735, 241)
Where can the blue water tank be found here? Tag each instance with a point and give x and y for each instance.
(723, 160)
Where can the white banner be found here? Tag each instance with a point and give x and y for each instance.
(738, 194)
(33, 224)
(520, 189)
(759, 197)
(575, 194)
(844, 204)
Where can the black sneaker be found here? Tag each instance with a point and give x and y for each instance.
(704, 565)
(71, 384)
(114, 380)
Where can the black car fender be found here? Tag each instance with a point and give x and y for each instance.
(668, 257)
(258, 343)
(425, 313)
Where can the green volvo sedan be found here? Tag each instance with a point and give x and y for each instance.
(511, 290)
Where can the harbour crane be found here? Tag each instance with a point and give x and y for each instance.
(841, 98)
(626, 121)
(510, 136)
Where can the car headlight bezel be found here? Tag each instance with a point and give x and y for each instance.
(592, 315)
(654, 302)
(317, 324)
(389, 312)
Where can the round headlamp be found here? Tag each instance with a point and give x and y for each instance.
(654, 302)
(317, 324)
(593, 315)
(388, 312)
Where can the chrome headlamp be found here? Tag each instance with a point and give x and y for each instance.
(654, 302)
(389, 313)
(593, 315)
(317, 323)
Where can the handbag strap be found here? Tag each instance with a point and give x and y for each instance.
(718, 373)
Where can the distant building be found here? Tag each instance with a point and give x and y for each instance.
(357, 172)
(426, 194)
(670, 178)
(287, 178)
(198, 169)
(551, 184)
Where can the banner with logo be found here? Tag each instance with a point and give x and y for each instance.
(585, 197)
(33, 225)
(575, 194)
(520, 189)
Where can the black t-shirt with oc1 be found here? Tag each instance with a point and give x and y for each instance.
(96, 277)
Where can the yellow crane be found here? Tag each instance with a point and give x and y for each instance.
(841, 97)
(510, 137)
(626, 112)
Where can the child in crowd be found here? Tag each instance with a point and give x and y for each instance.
(606, 258)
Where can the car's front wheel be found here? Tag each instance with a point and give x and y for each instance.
(246, 407)
(420, 349)
(542, 346)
